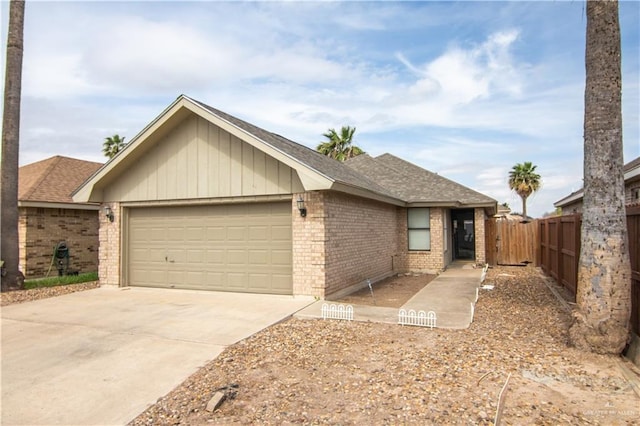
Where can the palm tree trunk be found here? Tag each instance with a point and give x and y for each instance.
(9, 249)
(524, 208)
(604, 272)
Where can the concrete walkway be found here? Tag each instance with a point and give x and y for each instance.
(451, 295)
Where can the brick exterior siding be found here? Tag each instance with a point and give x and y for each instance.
(345, 240)
(41, 229)
(308, 245)
(342, 241)
(110, 249)
(479, 218)
(361, 240)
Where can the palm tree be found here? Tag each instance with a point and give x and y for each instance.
(339, 146)
(525, 181)
(112, 145)
(9, 248)
(603, 296)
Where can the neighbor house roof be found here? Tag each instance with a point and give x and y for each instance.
(416, 185)
(316, 171)
(52, 180)
(631, 172)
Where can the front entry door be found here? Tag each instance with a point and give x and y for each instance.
(464, 239)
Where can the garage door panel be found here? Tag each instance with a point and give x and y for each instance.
(281, 257)
(259, 233)
(196, 256)
(215, 257)
(259, 257)
(176, 255)
(216, 233)
(243, 247)
(236, 233)
(237, 281)
(237, 257)
(281, 233)
(281, 283)
(174, 233)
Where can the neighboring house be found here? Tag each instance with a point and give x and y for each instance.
(204, 200)
(572, 203)
(48, 215)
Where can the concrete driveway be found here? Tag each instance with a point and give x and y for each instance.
(102, 356)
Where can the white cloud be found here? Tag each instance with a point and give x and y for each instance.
(464, 89)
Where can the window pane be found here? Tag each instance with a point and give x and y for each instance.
(419, 239)
(418, 218)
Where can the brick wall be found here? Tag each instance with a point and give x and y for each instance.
(41, 229)
(479, 218)
(110, 250)
(361, 240)
(308, 245)
(345, 240)
(631, 192)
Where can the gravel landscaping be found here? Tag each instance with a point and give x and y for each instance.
(20, 296)
(335, 372)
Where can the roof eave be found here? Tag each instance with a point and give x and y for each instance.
(58, 205)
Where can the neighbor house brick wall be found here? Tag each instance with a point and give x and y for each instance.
(41, 229)
(361, 240)
(308, 245)
(110, 250)
(631, 192)
(428, 260)
(479, 218)
(575, 207)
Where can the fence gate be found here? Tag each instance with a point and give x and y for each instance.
(511, 242)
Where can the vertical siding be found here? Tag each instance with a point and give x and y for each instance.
(197, 159)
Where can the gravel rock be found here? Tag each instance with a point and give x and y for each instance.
(20, 296)
(333, 372)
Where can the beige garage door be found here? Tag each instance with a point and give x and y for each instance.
(239, 247)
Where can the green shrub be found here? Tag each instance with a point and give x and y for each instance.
(65, 280)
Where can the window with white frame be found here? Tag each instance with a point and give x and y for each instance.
(419, 229)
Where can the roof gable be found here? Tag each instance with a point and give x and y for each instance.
(385, 178)
(316, 171)
(53, 180)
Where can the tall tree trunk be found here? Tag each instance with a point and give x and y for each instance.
(601, 322)
(524, 208)
(9, 249)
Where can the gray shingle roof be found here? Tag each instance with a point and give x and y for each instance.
(413, 184)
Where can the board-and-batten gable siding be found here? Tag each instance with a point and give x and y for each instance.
(197, 159)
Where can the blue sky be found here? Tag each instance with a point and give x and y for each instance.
(464, 89)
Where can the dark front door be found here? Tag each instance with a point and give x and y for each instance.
(464, 238)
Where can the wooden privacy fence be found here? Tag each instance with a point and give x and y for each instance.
(511, 242)
(560, 250)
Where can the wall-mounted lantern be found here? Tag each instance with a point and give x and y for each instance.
(108, 213)
(301, 207)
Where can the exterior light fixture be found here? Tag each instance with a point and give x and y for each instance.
(301, 207)
(108, 213)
